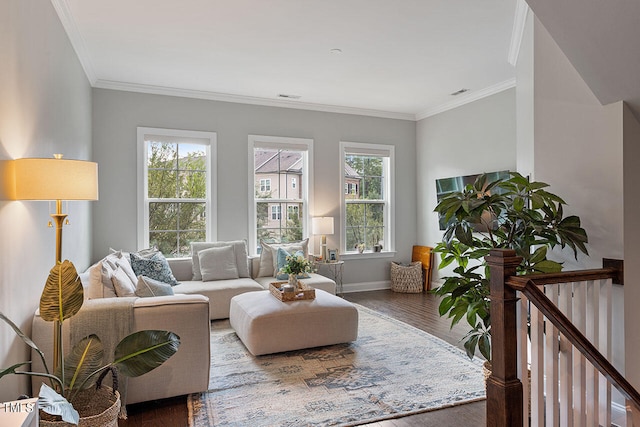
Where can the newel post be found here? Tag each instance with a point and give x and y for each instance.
(504, 389)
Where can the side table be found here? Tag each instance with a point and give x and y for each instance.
(334, 268)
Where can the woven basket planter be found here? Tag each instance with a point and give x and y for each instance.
(406, 278)
(103, 400)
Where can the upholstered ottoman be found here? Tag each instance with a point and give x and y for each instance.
(267, 325)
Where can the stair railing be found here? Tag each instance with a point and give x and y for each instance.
(563, 391)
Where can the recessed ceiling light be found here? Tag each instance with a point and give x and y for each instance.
(284, 95)
(336, 51)
(458, 92)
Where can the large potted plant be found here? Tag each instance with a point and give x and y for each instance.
(511, 213)
(74, 380)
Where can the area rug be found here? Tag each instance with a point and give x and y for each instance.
(391, 370)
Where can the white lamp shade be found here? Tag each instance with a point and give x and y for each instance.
(55, 179)
(322, 225)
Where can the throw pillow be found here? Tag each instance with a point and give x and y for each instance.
(97, 287)
(155, 267)
(122, 284)
(218, 263)
(147, 287)
(269, 252)
(239, 249)
(281, 260)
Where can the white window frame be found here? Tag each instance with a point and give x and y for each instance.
(284, 143)
(209, 140)
(361, 148)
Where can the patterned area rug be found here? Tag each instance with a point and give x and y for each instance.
(391, 370)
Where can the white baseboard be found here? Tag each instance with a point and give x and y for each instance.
(366, 286)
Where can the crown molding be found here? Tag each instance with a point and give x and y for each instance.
(467, 98)
(519, 22)
(77, 41)
(215, 96)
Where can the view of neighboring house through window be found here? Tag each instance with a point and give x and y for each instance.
(280, 177)
(367, 202)
(176, 184)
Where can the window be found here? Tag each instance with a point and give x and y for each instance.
(275, 212)
(175, 178)
(293, 212)
(367, 205)
(265, 185)
(286, 164)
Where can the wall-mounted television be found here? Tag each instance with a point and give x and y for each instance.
(445, 186)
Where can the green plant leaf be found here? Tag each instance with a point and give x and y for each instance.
(470, 346)
(85, 358)
(547, 266)
(62, 296)
(12, 369)
(144, 351)
(26, 339)
(484, 345)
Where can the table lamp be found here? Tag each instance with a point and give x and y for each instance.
(322, 225)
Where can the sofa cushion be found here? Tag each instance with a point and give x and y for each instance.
(219, 292)
(218, 263)
(239, 248)
(155, 267)
(268, 255)
(122, 284)
(148, 287)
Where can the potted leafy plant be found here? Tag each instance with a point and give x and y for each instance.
(76, 373)
(511, 213)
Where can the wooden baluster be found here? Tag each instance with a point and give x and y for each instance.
(566, 360)
(504, 389)
(551, 363)
(580, 362)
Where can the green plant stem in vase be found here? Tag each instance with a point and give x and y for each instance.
(511, 213)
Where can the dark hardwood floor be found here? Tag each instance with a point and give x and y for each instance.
(418, 310)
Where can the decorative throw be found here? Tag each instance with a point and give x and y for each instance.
(111, 319)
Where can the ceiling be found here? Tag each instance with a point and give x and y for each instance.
(400, 59)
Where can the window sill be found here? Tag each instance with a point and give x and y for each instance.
(367, 255)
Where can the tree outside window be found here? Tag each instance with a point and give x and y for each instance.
(176, 195)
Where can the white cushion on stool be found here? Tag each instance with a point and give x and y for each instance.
(267, 325)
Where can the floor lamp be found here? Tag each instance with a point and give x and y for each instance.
(56, 180)
(323, 225)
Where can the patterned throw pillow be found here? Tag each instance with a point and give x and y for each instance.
(148, 287)
(155, 267)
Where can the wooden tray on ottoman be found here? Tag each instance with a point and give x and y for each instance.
(306, 292)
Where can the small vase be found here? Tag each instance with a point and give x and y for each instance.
(293, 281)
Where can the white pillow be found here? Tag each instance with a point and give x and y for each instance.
(239, 249)
(218, 263)
(148, 287)
(100, 285)
(269, 255)
(125, 265)
(122, 284)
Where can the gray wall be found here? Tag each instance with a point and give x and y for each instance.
(45, 108)
(475, 138)
(116, 114)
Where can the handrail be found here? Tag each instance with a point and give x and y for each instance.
(568, 329)
(504, 389)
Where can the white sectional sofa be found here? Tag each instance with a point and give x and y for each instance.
(187, 313)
